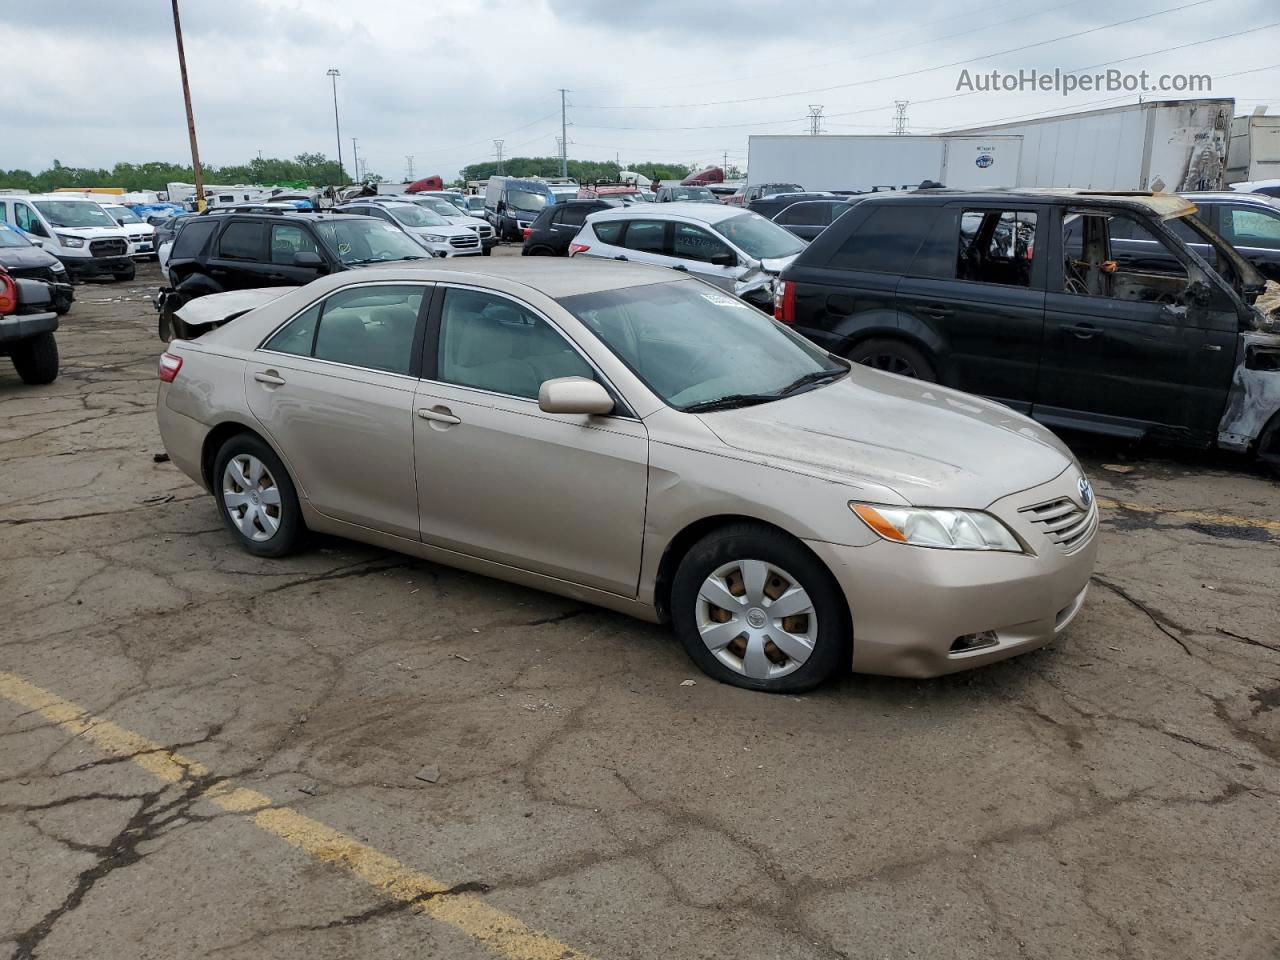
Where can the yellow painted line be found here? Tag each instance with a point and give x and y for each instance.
(501, 933)
(1200, 516)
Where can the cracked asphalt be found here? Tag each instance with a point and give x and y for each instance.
(1116, 794)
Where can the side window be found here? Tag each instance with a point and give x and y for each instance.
(492, 343)
(887, 240)
(242, 240)
(646, 236)
(572, 216)
(1149, 274)
(26, 219)
(810, 214)
(1253, 228)
(996, 246)
(694, 243)
(370, 327)
(4, 213)
(288, 240)
(609, 231)
(191, 237)
(298, 335)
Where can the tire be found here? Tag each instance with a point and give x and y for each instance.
(488, 251)
(36, 359)
(733, 563)
(262, 531)
(1268, 449)
(894, 356)
(541, 252)
(126, 275)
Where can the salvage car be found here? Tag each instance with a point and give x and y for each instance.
(449, 212)
(142, 235)
(1250, 222)
(237, 251)
(638, 439)
(438, 236)
(808, 218)
(27, 325)
(553, 230)
(680, 192)
(75, 230)
(1028, 297)
(24, 260)
(737, 250)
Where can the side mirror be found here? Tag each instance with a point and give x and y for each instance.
(1199, 293)
(574, 395)
(36, 241)
(307, 258)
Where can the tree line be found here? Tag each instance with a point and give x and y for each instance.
(584, 171)
(306, 169)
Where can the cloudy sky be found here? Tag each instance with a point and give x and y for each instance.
(677, 80)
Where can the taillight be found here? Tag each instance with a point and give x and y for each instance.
(784, 303)
(524, 234)
(170, 364)
(8, 294)
(578, 248)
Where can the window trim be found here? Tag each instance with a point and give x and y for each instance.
(415, 348)
(430, 373)
(1037, 281)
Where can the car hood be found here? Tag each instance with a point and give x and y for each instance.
(94, 233)
(448, 230)
(16, 258)
(931, 445)
(218, 308)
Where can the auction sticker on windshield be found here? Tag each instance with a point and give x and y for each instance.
(720, 300)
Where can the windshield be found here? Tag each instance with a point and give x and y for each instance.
(123, 214)
(437, 205)
(459, 202)
(74, 213)
(692, 193)
(524, 200)
(757, 237)
(414, 215)
(692, 344)
(9, 237)
(367, 241)
(475, 203)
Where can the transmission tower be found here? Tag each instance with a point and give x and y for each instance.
(815, 119)
(408, 166)
(497, 148)
(900, 117)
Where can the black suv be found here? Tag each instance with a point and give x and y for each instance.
(1020, 297)
(770, 207)
(214, 253)
(808, 218)
(555, 227)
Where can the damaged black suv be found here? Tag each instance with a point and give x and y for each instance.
(1031, 298)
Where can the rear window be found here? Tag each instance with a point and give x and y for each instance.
(887, 240)
(609, 231)
(192, 236)
(572, 216)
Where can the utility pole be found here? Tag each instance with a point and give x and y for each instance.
(815, 119)
(408, 166)
(725, 168)
(333, 74)
(900, 117)
(497, 146)
(191, 120)
(355, 158)
(564, 140)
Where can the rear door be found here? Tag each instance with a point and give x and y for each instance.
(239, 258)
(646, 241)
(1128, 347)
(334, 389)
(977, 289)
(286, 241)
(1254, 230)
(565, 224)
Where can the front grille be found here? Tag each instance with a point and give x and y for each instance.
(483, 231)
(108, 248)
(33, 273)
(464, 243)
(1064, 521)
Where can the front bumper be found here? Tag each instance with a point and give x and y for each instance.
(97, 266)
(22, 326)
(909, 605)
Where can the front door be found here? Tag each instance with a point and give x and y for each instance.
(1254, 230)
(1131, 346)
(560, 495)
(334, 389)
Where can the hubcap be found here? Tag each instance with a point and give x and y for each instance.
(756, 619)
(251, 497)
(891, 363)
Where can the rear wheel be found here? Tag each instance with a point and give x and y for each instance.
(256, 497)
(36, 359)
(753, 608)
(894, 356)
(1268, 450)
(541, 252)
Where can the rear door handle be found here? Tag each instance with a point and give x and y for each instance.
(276, 276)
(438, 416)
(936, 310)
(621, 258)
(680, 266)
(269, 376)
(1083, 331)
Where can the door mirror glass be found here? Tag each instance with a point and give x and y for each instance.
(35, 241)
(574, 395)
(305, 258)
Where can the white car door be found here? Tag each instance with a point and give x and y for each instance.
(705, 255)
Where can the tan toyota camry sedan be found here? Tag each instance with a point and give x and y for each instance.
(637, 439)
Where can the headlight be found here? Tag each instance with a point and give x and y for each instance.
(932, 527)
(57, 267)
(69, 241)
(433, 238)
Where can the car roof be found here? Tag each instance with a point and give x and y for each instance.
(1160, 204)
(705, 212)
(1232, 196)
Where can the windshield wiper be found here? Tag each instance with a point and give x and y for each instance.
(817, 376)
(729, 402)
(353, 263)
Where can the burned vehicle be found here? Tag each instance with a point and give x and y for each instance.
(1032, 298)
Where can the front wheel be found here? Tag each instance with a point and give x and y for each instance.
(488, 251)
(754, 608)
(36, 359)
(894, 356)
(126, 275)
(256, 497)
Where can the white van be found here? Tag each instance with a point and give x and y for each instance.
(142, 235)
(75, 230)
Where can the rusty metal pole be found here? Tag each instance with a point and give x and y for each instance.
(191, 120)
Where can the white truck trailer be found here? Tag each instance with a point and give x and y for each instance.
(828, 162)
(1170, 145)
(1255, 148)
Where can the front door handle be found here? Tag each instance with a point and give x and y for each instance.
(438, 416)
(681, 267)
(269, 377)
(622, 258)
(1083, 331)
(276, 276)
(936, 311)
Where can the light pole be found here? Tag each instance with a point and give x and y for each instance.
(333, 74)
(196, 169)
